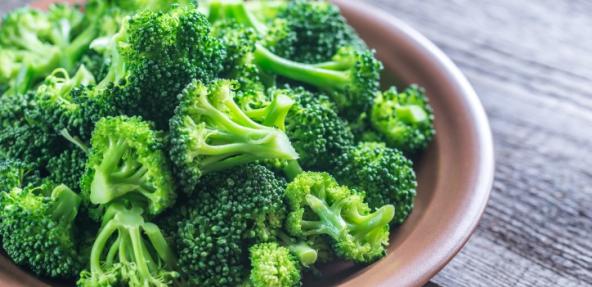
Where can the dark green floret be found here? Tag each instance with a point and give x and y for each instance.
(319, 207)
(403, 119)
(127, 159)
(68, 167)
(384, 173)
(37, 229)
(230, 209)
(128, 251)
(209, 132)
(14, 173)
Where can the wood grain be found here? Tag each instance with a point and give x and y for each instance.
(530, 62)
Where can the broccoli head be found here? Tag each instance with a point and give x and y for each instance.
(209, 132)
(404, 120)
(273, 265)
(68, 167)
(230, 209)
(319, 207)
(37, 229)
(14, 173)
(127, 159)
(350, 78)
(128, 251)
(385, 174)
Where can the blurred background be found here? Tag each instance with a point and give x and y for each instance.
(530, 62)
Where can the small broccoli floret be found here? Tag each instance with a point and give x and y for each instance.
(127, 159)
(404, 120)
(351, 78)
(14, 109)
(30, 143)
(319, 28)
(128, 251)
(273, 265)
(154, 56)
(37, 229)
(34, 43)
(230, 209)
(321, 207)
(385, 174)
(65, 103)
(14, 173)
(209, 132)
(68, 167)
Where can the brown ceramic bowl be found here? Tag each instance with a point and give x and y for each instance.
(455, 174)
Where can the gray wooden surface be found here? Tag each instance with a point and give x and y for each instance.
(531, 64)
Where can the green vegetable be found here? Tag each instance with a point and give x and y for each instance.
(273, 266)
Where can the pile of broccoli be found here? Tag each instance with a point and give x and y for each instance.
(225, 143)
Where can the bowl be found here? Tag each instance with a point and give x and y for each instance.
(455, 173)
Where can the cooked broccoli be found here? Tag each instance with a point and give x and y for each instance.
(209, 132)
(154, 56)
(128, 251)
(127, 159)
(273, 265)
(385, 174)
(68, 167)
(37, 228)
(403, 119)
(229, 209)
(321, 207)
(34, 43)
(350, 78)
(14, 173)
(30, 143)
(14, 108)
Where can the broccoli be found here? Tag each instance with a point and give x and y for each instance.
(273, 265)
(321, 207)
(37, 228)
(350, 78)
(64, 104)
(14, 173)
(34, 43)
(230, 209)
(128, 251)
(319, 28)
(68, 167)
(385, 174)
(30, 143)
(209, 132)
(127, 159)
(14, 108)
(154, 56)
(403, 120)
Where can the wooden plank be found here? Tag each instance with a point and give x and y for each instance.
(530, 63)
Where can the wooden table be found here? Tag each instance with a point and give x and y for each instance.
(531, 64)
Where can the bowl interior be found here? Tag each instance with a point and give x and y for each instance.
(454, 174)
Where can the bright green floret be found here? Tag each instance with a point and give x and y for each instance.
(37, 229)
(127, 159)
(320, 207)
(128, 251)
(403, 119)
(273, 265)
(34, 43)
(350, 78)
(209, 132)
(14, 173)
(384, 173)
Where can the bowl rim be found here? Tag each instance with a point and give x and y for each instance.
(485, 166)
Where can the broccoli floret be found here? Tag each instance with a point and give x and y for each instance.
(385, 174)
(321, 207)
(350, 78)
(154, 56)
(127, 159)
(209, 132)
(230, 209)
(68, 167)
(30, 143)
(14, 109)
(128, 251)
(37, 229)
(14, 173)
(319, 28)
(65, 103)
(34, 43)
(273, 265)
(404, 120)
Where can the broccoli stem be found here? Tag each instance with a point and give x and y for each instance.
(364, 224)
(314, 75)
(306, 254)
(331, 222)
(66, 204)
(292, 169)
